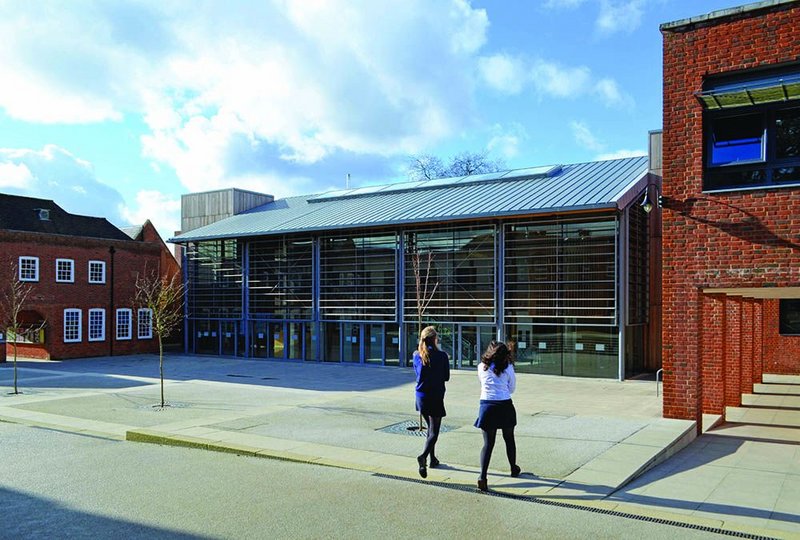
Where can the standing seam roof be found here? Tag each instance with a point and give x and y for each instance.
(600, 184)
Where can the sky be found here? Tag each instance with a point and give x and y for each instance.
(117, 108)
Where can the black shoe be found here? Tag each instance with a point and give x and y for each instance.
(515, 471)
(483, 485)
(434, 463)
(423, 472)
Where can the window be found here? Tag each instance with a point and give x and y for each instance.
(789, 317)
(72, 325)
(97, 324)
(29, 268)
(97, 272)
(65, 270)
(752, 132)
(145, 319)
(123, 324)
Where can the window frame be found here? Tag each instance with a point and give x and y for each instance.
(71, 271)
(782, 305)
(79, 328)
(769, 163)
(36, 268)
(103, 273)
(102, 326)
(129, 335)
(139, 334)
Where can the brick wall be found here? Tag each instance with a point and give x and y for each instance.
(736, 239)
(49, 298)
(780, 352)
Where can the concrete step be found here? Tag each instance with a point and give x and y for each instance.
(769, 400)
(774, 388)
(757, 432)
(763, 416)
(780, 379)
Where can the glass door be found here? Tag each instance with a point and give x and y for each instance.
(468, 346)
(296, 340)
(373, 343)
(277, 340)
(258, 337)
(228, 331)
(352, 342)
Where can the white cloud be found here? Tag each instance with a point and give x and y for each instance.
(619, 16)
(53, 173)
(567, 4)
(612, 16)
(502, 72)
(308, 79)
(560, 81)
(505, 140)
(163, 211)
(619, 154)
(512, 74)
(15, 175)
(584, 136)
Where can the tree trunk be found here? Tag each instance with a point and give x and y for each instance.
(161, 367)
(16, 391)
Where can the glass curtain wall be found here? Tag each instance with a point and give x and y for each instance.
(452, 272)
(214, 290)
(358, 290)
(280, 279)
(560, 296)
(638, 291)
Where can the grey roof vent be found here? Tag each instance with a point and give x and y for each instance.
(43, 214)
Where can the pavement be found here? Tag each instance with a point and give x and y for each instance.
(592, 443)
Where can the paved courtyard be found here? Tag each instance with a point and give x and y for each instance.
(580, 441)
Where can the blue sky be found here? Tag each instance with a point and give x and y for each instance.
(115, 109)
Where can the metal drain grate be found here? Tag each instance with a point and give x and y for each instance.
(536, 500)
(403, 428)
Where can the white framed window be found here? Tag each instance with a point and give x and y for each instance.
(97, 324)
(29, 268)
(65, 270)
(145, 327)
(97, 271)
(72, 325)
(124, 323)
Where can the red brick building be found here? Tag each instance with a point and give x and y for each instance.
(83, 271)
(731, 204)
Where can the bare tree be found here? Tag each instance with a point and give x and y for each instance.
(469, 163)
(428, 167)
(13, 299)
(425, 167)
(421, 266)
(164, 297)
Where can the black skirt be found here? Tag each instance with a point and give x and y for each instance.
(431, 406)
(496, 414)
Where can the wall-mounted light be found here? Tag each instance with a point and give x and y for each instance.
(647, 203)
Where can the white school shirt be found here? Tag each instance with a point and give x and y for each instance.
(497, 387)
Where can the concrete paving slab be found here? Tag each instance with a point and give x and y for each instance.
(578, 440)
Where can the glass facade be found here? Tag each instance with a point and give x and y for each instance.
(549, 286)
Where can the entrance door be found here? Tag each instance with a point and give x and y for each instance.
(352, 342)
(228, 331)
(473, 341)
(373, 343)
(296, 340)
(276, 340)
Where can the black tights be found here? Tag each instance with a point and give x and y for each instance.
(434, 424)
(489, 436)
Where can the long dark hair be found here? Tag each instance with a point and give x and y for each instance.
(497, 353)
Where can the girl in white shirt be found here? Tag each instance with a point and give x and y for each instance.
(498, 381)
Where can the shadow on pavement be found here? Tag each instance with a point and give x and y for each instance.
(28, 516)
(261, 372)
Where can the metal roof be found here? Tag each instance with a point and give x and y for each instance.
(568, 188)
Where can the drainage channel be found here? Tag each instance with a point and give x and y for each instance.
(615, 513)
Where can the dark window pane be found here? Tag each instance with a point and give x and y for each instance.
(786, 174)
(787, 133)
(736, 139)
(726, 179)
(790, 317)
